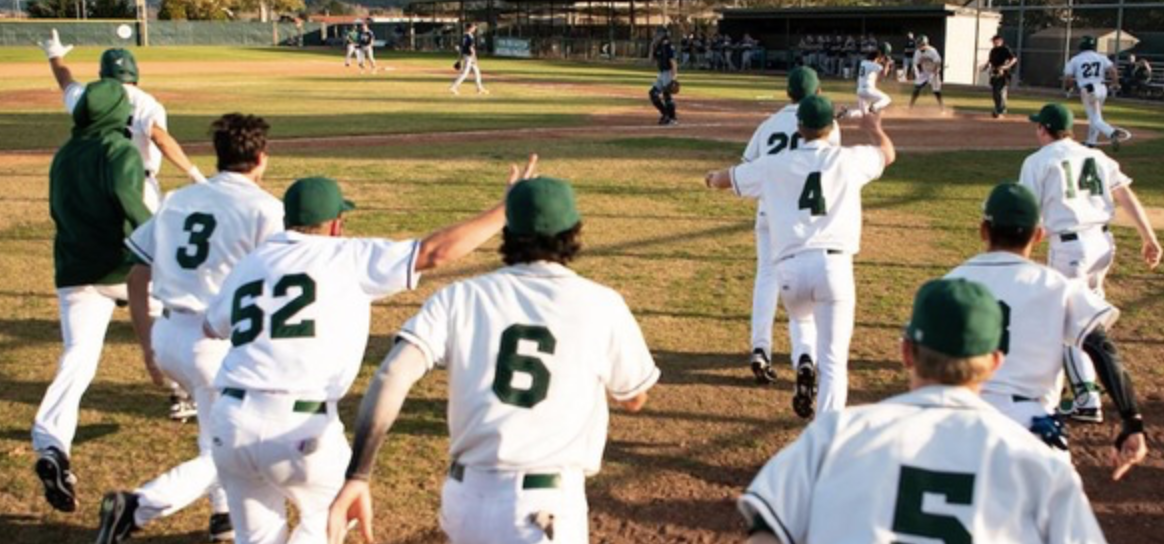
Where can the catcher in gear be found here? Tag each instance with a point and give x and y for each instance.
(667, 84)
(673, 87)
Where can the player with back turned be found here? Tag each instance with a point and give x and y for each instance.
(1087, 71)
(937, 464)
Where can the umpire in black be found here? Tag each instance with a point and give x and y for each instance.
(663, 53)
(1000, 64)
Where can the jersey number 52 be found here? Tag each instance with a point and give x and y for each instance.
(244, 309)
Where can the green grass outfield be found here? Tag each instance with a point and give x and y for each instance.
(682, 256)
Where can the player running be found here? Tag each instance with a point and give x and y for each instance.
(95, 194)
(812, 199)
(186, 250)
(928, 65)
(1078, 189)
(468, 50)
(1086, 71)
(776, 135)
(877, 66)
(297, 312)
(1042, 313)
(533, 350)
(927, 465)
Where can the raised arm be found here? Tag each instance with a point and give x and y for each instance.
(871, 122)
(1150, 249)
(55, 51)
(456, 241)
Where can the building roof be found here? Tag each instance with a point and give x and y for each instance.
(944, 10)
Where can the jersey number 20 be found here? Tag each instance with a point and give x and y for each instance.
(779, 141)
(509, 363)
(200, 226)
(915, 483)
(281, 327)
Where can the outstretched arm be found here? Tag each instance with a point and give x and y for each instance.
(871, 122)
(56, 51)
(1150, 250)
(172, 150)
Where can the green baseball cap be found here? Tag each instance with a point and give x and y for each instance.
(802, 82)
(1087, 43)
(542, 206)
(311, 201)
(815, 112)
(1054, 117)
(1011, 205)
(119, 64)
(955, 317)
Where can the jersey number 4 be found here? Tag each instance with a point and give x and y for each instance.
(812, 196)
(1088, 179)
(200, 226)
(244, 308)
(510, 363)
(914, 485)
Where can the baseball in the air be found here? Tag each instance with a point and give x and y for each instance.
(124, 32)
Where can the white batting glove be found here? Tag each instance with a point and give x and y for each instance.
(196, 175)
(53, 48)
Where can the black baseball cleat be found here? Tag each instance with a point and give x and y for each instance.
(1119, 136)
(841, 113)
(761, 368)
(59, 482)
(803, 402)
(117, 508)
(220, 528)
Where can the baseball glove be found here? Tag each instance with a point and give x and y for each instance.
(673, 87)
(457, 66)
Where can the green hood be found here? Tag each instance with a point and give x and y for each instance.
(103, 109)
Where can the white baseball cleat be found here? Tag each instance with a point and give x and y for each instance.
(454, 90)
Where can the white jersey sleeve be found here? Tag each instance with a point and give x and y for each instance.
(1085, 311)
(429, 328)
(73, 95)
(748, 179)
(867, 163)
(781, 495)
(391, 265)
(755, 147)
(1068, 515)
(632, 370)
(143, 242)
(218, 312)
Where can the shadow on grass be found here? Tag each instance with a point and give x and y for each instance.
(85, 433)
(27, 529)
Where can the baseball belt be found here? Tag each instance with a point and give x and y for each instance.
(300, 406)
(1073, 236)
(529, 481)
(1020, 398)
(827, 252)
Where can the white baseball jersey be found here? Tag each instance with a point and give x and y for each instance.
(1043, 314)
(1088, 68)
(867, 75)
(147, 112)
(297, 310)
(779, 133)
(1073, 184)
(934, 465)
(532, 352)
(928, 59)
(199, 233)
(812, 195)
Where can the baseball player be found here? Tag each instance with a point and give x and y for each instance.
(1043, 312)
(907, 53)
(365, 42)
(936, 464)
(186, 250)
(776, 135)
(812, 199)
(928, 65)
(877, 65)
(1078, 189)
(1000, 64)
(663, 53)
(297, 312)
(351, 38)
(468, 51)
(1086, 71)
(95, 195)
(533, 350)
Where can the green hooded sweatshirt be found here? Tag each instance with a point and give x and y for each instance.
(96, 189)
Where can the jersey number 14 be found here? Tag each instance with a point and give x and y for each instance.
(1089, 179)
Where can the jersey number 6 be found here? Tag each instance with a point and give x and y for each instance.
(509, 363)
(243, 309)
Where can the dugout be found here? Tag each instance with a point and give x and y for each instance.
(961, 34)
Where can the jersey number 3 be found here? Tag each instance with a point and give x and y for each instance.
(914, 485)
(200, 226)
(510, 363)
(245, 309)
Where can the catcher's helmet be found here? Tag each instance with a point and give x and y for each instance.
(885, 49)
(1087, 43)
(922, 39)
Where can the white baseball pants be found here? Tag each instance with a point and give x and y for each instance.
(469, 64)
(492, 508)
(932, 78)
(869, 100)
(266, 454)
(152, 193)
(1086, 259)
(821, 299)
(85, 314)
(351, 52)
(766, 291)
(1093, 105)
(189, 358)
(366, 53)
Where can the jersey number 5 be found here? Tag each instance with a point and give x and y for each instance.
(200, 226)
(509, 363)
(812, 197)
(244, 308)
(915, 483)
